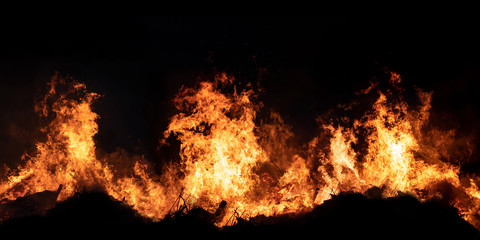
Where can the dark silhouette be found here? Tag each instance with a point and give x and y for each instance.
(33, 204)
(345, 215)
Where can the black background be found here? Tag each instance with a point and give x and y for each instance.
(305, 66)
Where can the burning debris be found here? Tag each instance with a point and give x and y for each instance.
(229, 176)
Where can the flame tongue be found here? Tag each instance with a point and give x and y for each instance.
(397, 156)
(221, 153)
(219, 148)
(68, 155)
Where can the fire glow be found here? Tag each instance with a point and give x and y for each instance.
(225, 156)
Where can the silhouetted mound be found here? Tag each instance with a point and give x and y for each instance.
(83, 209)
(345, 215)
(354, 215)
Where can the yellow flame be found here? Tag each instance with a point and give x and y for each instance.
(221, 153)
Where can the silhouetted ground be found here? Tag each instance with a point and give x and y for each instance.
(354, 215)
(345, 215)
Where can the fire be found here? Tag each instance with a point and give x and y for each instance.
(390, 158)
(227, 157)
(68, 158)
(343, 175)
(222, 154)
(401, 156)
(219, 151)
(396, 157)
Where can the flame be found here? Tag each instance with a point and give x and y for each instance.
(343, 175)
(219, 151)
(392, 143)
(67, 157)
(226, 156)
(222, 154)
(401, 156)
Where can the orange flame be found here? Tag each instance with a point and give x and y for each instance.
(223, 157)
(400, 157)
(68, 157)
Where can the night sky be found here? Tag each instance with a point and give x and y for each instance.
(304, 66)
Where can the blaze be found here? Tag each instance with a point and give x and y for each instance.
(222, 155)
(338, 171)
(67, 156)
(219, 148)
(392, 144)
(401, 156)
(227, 156)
